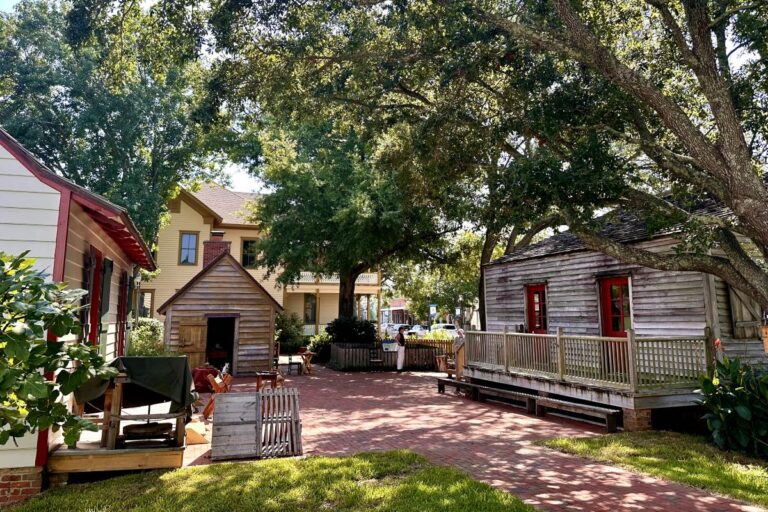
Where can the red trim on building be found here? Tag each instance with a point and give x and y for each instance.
(59, 262)
(615, 306)
(112, 218)
(536, 306)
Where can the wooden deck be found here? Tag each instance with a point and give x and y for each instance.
(629, 372)
(90, 457)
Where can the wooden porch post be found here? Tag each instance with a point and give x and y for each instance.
(632, 356)
(560, 354)
(506, 351)
(317, 311)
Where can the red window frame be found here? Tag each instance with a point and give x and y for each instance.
(536, 308)
(615, 308)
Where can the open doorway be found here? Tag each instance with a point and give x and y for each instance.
(220, 344)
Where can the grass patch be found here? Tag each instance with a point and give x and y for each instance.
(683, 458)
(392, 481)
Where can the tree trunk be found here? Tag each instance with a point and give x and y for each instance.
(491, 239)
(347, 294)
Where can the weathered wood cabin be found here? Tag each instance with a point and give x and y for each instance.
(566, 321)
(78, 238)
(222, 315)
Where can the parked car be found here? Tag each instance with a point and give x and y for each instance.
(452, 330)
(418, 330)
(393, 328)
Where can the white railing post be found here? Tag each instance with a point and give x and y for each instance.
(560, 354)
(505, 351)
(632, 356)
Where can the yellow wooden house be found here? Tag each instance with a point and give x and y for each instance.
(212, 208)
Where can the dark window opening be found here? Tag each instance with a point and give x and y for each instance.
(188, 249)
(249, 253)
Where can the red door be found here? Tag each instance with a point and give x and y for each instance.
(615, 306)
(536, 298)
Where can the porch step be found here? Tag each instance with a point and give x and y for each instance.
(534, 404)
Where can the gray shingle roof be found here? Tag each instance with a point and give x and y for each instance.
(621, 226)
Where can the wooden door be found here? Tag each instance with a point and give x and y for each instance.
(616, 318)
(746, 314)
(615, 306)
(536, 298)
(193, 335)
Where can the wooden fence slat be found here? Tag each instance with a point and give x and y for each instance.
(275, 425)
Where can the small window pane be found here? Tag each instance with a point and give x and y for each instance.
(188, 249)
(310, 308)
(249, 254)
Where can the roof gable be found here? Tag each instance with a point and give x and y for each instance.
(223, 259)
(111, 217)
(229, 206)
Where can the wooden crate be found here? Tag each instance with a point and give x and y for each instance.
(257, 425)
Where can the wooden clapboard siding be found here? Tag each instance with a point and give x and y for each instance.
(83, 233)
(226, 288)
(29, 211)
(663, 303)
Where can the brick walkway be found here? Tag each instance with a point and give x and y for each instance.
(345, 413)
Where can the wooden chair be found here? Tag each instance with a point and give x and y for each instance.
(374, 358)
(307, 360)
(444, 366)
(218, 385)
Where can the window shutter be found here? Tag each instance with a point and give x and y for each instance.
(89, 263)
(746, 315)
(106, 287)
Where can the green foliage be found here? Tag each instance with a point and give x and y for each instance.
(688, 459)
(352, 330)
(29, 397)
(320, 344)
(333, 208)
(103, 113)
(146, 338)
(736, 399)
(440, 334)
(450, 282)
(390, 481)
(289, 332)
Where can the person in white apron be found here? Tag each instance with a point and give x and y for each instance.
(400, 339)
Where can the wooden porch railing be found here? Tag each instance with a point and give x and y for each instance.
(629, 363)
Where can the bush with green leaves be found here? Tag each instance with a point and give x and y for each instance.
(146, 338)
(440, 334)
(289, 332)
(320, 344)
(35, 374)
(351, 330)
(736, 400)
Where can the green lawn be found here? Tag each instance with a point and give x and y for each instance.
(393, 481)
(687, 459)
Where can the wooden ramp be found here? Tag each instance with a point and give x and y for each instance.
(257, 425)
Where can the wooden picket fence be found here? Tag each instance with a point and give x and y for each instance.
(258, 425)
(419, 355)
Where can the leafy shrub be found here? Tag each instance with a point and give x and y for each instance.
(146, 338)
(320, 344)
(440, 334)
(736, 400)
(351, 330)
(289, 332)
(30, 307)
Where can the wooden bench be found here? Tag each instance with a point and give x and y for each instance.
(534, 404)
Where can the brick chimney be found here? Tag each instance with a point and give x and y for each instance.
(214, 247)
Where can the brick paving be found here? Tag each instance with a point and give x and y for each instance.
(346, 413)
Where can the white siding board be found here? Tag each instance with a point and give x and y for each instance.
(29, 212)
